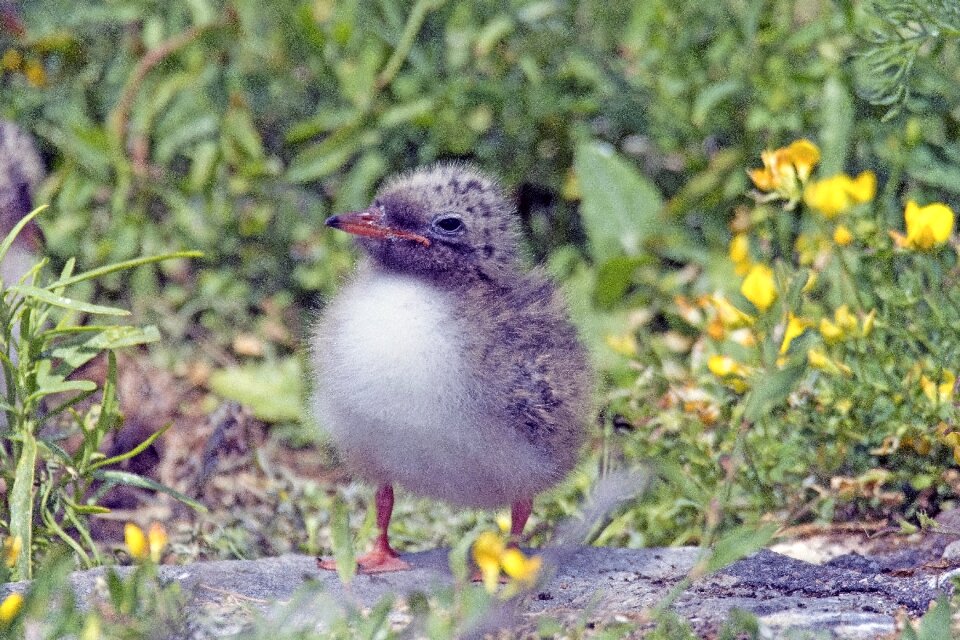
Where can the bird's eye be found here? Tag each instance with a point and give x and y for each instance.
(448, 224)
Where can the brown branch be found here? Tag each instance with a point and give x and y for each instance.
(120, 117)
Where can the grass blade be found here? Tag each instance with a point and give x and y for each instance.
(120, 266)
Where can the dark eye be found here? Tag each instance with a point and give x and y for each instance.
(448, 224)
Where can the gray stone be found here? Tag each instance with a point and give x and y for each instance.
(791, 598)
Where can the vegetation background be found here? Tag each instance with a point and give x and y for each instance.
(624, 131)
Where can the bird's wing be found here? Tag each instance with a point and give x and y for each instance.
(533, 399)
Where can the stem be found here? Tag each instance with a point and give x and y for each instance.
(21, 502)
(51, 523)
(719, 504)
(848, 273)
(121, 114)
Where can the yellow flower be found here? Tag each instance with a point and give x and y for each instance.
(723, 366)
(157, 538)
(136, 542)
(831, 332)
(868, 321)
(91, 629)
(929, 226)
(844, 318)
(729, 315)
(11, 60)
(834, 195)
(740, 248)
(10, 607)
(819, 360)
(842, 235)
(759, 288)
(35, 74)
(939, 393)
(520, 567)
(625, 344)
(786, 169)
(740, 253)
(843, 324)
(795, 327)
(491, 554)
(487, 551)
(864, 187)
(571, 186)
(12, 547)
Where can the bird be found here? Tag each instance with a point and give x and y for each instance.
(444, 365)
(21, 172)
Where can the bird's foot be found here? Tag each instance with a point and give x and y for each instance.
(380, 561)
(376, 561)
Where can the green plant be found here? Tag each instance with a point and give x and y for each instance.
(129, 603)
(50, 457)
(906, 33)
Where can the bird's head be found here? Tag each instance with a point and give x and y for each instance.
(445, 221)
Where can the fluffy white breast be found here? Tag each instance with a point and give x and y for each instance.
(393, 351)
(397, 398)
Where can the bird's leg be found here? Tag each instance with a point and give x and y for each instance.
(519, 512)
(382, 557)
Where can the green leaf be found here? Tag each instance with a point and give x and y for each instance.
(120, 266)
(272, 390)
(17, 228)
(324, 158)
(935, 623)
(620, 207)
(708, 99)
(356, 189)
(132, 452)
(52, 385)
(375, 624)
(44, 295)
(133, 480)
(74, 353)
(90, 509)
(459, 558)
(927, 169)
(21, 505)
(342, 542)
(614, 278)
(836, 124)
(738, 544)
(771, 390)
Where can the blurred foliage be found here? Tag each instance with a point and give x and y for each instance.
(907, 33)
(624, 130)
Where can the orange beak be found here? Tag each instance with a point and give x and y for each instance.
(369, 224)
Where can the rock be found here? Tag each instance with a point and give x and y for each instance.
(952, 551)
(790, 598)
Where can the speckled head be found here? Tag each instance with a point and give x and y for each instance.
(441, 221)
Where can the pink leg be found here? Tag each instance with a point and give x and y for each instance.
(382, 557)
(519, 513)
